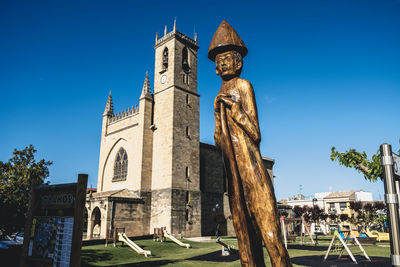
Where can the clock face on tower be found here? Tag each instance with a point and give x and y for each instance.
(163, 78)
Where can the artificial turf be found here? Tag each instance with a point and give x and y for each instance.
(209, 254)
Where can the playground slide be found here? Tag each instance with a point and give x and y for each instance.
(176, 240)
(132, 245)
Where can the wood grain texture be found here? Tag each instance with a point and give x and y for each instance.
(237, 134)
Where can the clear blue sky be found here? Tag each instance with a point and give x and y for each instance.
(325, 73)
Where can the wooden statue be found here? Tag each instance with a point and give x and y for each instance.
(237, 135)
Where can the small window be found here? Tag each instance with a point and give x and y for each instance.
(343, 206)
(187, 173)
(188, 198)
(187, 215)
(185, 78)
(187, 99)
(332, 205)
(187, 132)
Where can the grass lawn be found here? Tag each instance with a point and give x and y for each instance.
(209, 254)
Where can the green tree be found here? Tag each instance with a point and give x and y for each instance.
(16, 177)
(343, 217)
(310, 214)
(298, 211)
(370, 168)
(368, 214)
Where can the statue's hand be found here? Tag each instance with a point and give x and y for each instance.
(227, 100)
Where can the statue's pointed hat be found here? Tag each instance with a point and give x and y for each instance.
(226, 39)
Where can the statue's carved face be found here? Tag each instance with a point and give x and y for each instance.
(226, 65)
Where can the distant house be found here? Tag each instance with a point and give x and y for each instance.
(330, 201)
(339, 202)
(301, 200)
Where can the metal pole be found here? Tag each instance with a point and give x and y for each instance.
(392, 202)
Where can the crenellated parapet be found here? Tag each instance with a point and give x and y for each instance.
(176, 34)
(186, 38)
(124, 114)
(172, 34)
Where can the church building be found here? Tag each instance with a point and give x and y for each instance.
(153, 170)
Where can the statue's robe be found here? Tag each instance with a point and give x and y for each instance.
(250, 189)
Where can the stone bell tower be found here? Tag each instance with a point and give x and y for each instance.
(175, 183)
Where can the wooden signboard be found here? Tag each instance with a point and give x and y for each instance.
(54, 226)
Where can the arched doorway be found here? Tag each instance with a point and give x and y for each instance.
(96, 222)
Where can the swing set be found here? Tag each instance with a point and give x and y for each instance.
(342, 245)
(289, 227)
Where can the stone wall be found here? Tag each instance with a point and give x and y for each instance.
(130, 215)
(212, 184)
(160, 209)
(212, 205)
(186, 147)
(213, 188)
(146, 197)
(212, 178)
(146, 141)
(186, 213)
(133, 215)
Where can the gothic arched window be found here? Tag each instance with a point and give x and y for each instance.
(165, 59)
(120, 166)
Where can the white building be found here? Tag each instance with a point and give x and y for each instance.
(301, 200)
(330, 201)
(363, 196)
